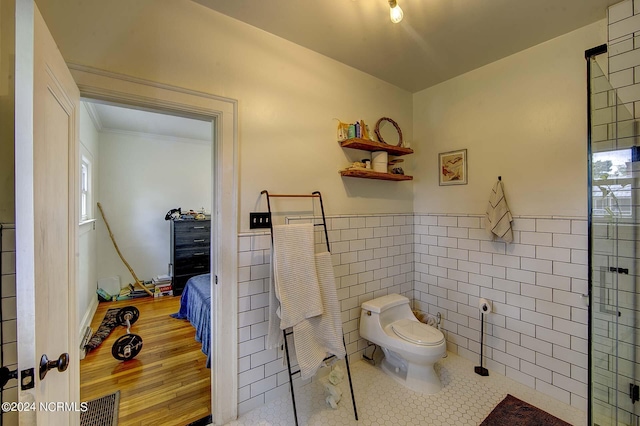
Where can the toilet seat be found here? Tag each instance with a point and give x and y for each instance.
(417, 332)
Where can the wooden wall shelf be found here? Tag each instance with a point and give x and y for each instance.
(370, 174)
(367, 145)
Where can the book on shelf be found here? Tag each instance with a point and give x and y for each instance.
(161, 278)
(135, 289)
(131, 291)
(162, 283)
(132, 296)
(163, 293)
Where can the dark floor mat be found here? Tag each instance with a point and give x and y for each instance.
(109, 322)
(514, 412)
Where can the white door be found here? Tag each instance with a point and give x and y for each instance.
(46, 191)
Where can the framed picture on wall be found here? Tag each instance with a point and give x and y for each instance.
(452, 167)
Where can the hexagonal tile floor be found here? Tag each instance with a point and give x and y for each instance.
(466, 399)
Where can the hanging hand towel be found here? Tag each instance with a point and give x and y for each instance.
(274, 335)
(294, 268)
(317, 337)
(498, 216)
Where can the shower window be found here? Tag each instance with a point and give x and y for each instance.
(611, 189)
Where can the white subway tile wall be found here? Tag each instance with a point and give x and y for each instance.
(624, 53)
(372, 257)
(537, 332)
(9, 331)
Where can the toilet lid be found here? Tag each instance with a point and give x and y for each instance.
(417, 332)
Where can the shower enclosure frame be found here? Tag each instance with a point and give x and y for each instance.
(588, 54)
(612, 244)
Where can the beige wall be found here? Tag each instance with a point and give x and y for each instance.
(162, 173)
(288, 96)
(523, 117)
(7, 54)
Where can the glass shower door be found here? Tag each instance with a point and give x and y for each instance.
(613, 238)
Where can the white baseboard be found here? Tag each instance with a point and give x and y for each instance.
(88, 316)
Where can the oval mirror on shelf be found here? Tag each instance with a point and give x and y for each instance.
(388, 131)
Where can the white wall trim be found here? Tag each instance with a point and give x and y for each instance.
(87, 317)
(136, 80)
(107, 130)
(513, 215)
(93, 114)
(25, 234)
(118, 88)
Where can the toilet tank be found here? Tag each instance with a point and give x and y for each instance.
(383, 303)
(388, 309)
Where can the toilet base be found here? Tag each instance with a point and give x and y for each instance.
(418, 378)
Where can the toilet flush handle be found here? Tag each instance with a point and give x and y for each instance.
(369, 313)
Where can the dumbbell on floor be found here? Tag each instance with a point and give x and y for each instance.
(128, 346)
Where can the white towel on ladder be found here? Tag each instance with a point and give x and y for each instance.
(498, 216)
(274, 335)
(317, 337)
(296, 281)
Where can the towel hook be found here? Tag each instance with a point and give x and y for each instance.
(499, 177)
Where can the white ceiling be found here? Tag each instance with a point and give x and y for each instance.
(110, 118)
(437, 40)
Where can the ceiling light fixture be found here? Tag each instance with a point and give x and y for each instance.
(395, 12)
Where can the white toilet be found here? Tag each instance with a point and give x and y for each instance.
(411, 348)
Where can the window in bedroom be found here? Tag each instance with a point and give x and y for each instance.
(86, 212)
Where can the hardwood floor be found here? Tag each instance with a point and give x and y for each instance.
(167, 383)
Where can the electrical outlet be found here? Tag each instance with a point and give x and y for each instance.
(259, 220)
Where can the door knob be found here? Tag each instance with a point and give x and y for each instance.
(6, 375)
(45, 364)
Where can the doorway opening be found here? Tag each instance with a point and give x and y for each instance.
(140, 164)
